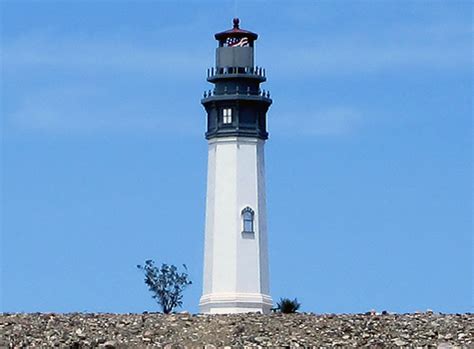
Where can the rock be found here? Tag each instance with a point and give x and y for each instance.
(80, 334)
(261, 340)
(399, 343)
(148, 334)
(235, 330)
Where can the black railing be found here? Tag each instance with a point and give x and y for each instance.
(259, 71)
(262, 93)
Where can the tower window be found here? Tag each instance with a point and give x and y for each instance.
(247, 218)
(227, 116)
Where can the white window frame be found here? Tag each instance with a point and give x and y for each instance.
(227, 116)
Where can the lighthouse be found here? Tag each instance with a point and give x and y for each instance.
(236, 275)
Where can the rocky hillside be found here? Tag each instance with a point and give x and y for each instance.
(157, 330)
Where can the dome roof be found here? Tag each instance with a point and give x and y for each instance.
(235, 32)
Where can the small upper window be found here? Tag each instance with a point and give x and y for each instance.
(227, 116)
(247, 216)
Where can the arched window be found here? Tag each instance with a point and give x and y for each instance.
(247, 218)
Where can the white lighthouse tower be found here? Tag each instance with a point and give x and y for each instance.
(236, 255)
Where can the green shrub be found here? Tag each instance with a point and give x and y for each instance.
(288, 306)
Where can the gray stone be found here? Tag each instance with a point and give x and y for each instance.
(399, 342)
(108, 345)
(261, 339)
(237, 330)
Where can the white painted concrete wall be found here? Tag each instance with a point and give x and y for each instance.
(235, 263)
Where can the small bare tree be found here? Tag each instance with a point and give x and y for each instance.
(166, 283)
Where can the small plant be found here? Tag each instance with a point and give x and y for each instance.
(288, 306)
(166, 283)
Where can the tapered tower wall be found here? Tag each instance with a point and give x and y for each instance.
(236, 262)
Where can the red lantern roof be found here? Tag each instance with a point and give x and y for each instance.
(235, 32)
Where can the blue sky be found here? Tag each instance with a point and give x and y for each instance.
(369, 161)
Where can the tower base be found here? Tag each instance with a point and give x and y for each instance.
(232, 303)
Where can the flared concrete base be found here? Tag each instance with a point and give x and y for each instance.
(232, 303)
